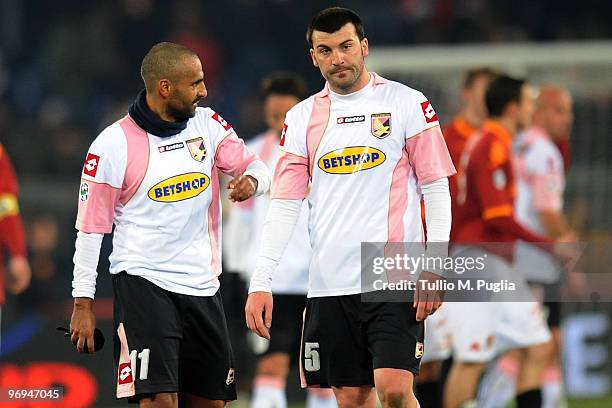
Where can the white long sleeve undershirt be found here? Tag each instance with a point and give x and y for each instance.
(279, 225)
(86, 255)
(283, 215)
(438, 218)
(259, 171)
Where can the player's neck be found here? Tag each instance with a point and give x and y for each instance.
(158, 108)
(508, 124)
(472, 118)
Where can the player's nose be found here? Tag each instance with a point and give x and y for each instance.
(337, 58)
(202, 92)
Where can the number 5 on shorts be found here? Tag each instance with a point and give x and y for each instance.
(311, 357)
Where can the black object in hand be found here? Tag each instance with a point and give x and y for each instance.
(98, 338)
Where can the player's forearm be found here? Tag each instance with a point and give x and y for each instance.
(509, 225)
(278, 228)
(554, 224)
(436, 196)
(258, 170)
(438, 219)
(86, 255)
(11, 229)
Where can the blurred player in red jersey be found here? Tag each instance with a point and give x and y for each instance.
(539, 207)
(12, 237)
(485, 214)
(468, 121)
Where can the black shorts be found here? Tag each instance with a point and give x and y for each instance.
(287, 317)
(169, 342)
(344, 340)
(549, 294)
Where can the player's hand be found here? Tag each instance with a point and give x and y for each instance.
(20, 275)
(575, 284)
(258, 313)
(243, 186)
(82, 324)
(427, 301)
(566, 252)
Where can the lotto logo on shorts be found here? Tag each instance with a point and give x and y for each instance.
(429, 112)
(91, 164)
(125, 373)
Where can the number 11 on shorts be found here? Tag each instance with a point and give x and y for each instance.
(311, 357)
(144, 362)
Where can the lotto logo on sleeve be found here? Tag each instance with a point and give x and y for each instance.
(221, 121)
(429, 112)
(283, 134)
(91, 164)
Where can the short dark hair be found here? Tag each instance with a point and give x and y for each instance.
(471, 75)
(283, 83)
(332, 19)
(163, 61)
(502, 91)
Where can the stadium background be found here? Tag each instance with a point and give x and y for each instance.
(69, 68)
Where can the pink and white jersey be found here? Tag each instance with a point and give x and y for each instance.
(540, 186)
(245, 229)
(162, 195)
(365, 154)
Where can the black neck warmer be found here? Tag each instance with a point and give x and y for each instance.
(150, 121)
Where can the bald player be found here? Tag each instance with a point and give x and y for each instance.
(154, 175)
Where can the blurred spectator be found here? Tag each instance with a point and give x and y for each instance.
(12, 239)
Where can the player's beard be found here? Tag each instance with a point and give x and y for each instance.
(354, 73)
(181, 112)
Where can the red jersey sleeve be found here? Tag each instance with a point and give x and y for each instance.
(12, 234)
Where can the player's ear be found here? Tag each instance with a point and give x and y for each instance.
(365, 48)
(512, 109)
(164, 87)
(312, 56)
(465, 95)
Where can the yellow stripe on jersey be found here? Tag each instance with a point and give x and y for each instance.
(504, 210)
(8, 205)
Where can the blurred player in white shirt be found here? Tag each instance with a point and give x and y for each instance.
(280, 92)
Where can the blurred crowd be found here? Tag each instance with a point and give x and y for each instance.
(70, 68)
